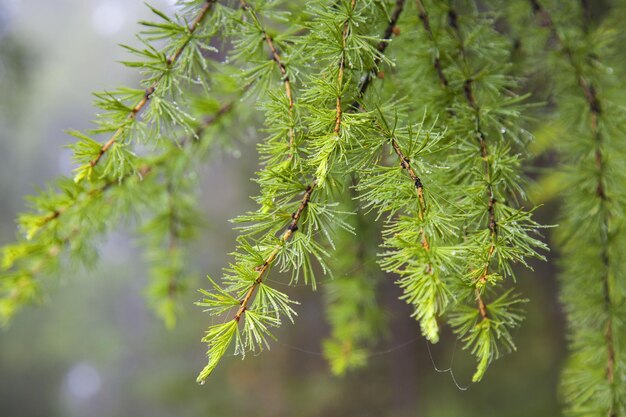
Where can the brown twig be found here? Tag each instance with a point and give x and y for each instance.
(426, 25)
(342, 64)
(262, 270)
(470, 98)
(171, 60)
(293, 225)
(390, 30)
(405, 163)
(143, 170)
(281, 66)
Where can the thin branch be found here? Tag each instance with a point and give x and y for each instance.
(171, 60)
(423, 15)
(262, 270)
(143, 170)
(470, 97)
(405, 163)
(281, 66)
(390, 30)
(342, 64)
(293, 225)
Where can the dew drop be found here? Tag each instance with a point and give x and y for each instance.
(201, 382)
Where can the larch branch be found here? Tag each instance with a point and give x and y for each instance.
(263, 269)
(595, 108)
(390, 30)
(281, 66)
(171, 60)
(470, 98)
(423, 15)
(293, 225)
(143, 170)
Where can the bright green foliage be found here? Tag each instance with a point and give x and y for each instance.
(424, 268)
(464, 68)
(451, 266)
(285, 175)
(403, 123)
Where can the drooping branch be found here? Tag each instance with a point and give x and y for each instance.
(264, 268)
(293, 225)
(80, 201)
(423, 15)
(590, 95)
(390, 30)
(281, 66)
(484, 153)
(470, 98)
(170, 62)
(483, 328)
(144, 170)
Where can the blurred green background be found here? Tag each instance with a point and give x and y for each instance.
(94, 349)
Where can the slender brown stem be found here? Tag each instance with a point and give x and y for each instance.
(281, 66)
(390, 30)
(143, 170)
(171, 60)
(293, 225)
(263, 269)
(470, 97)
(482, 307)
(405, 163)
(423, 15)
(342, 64)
